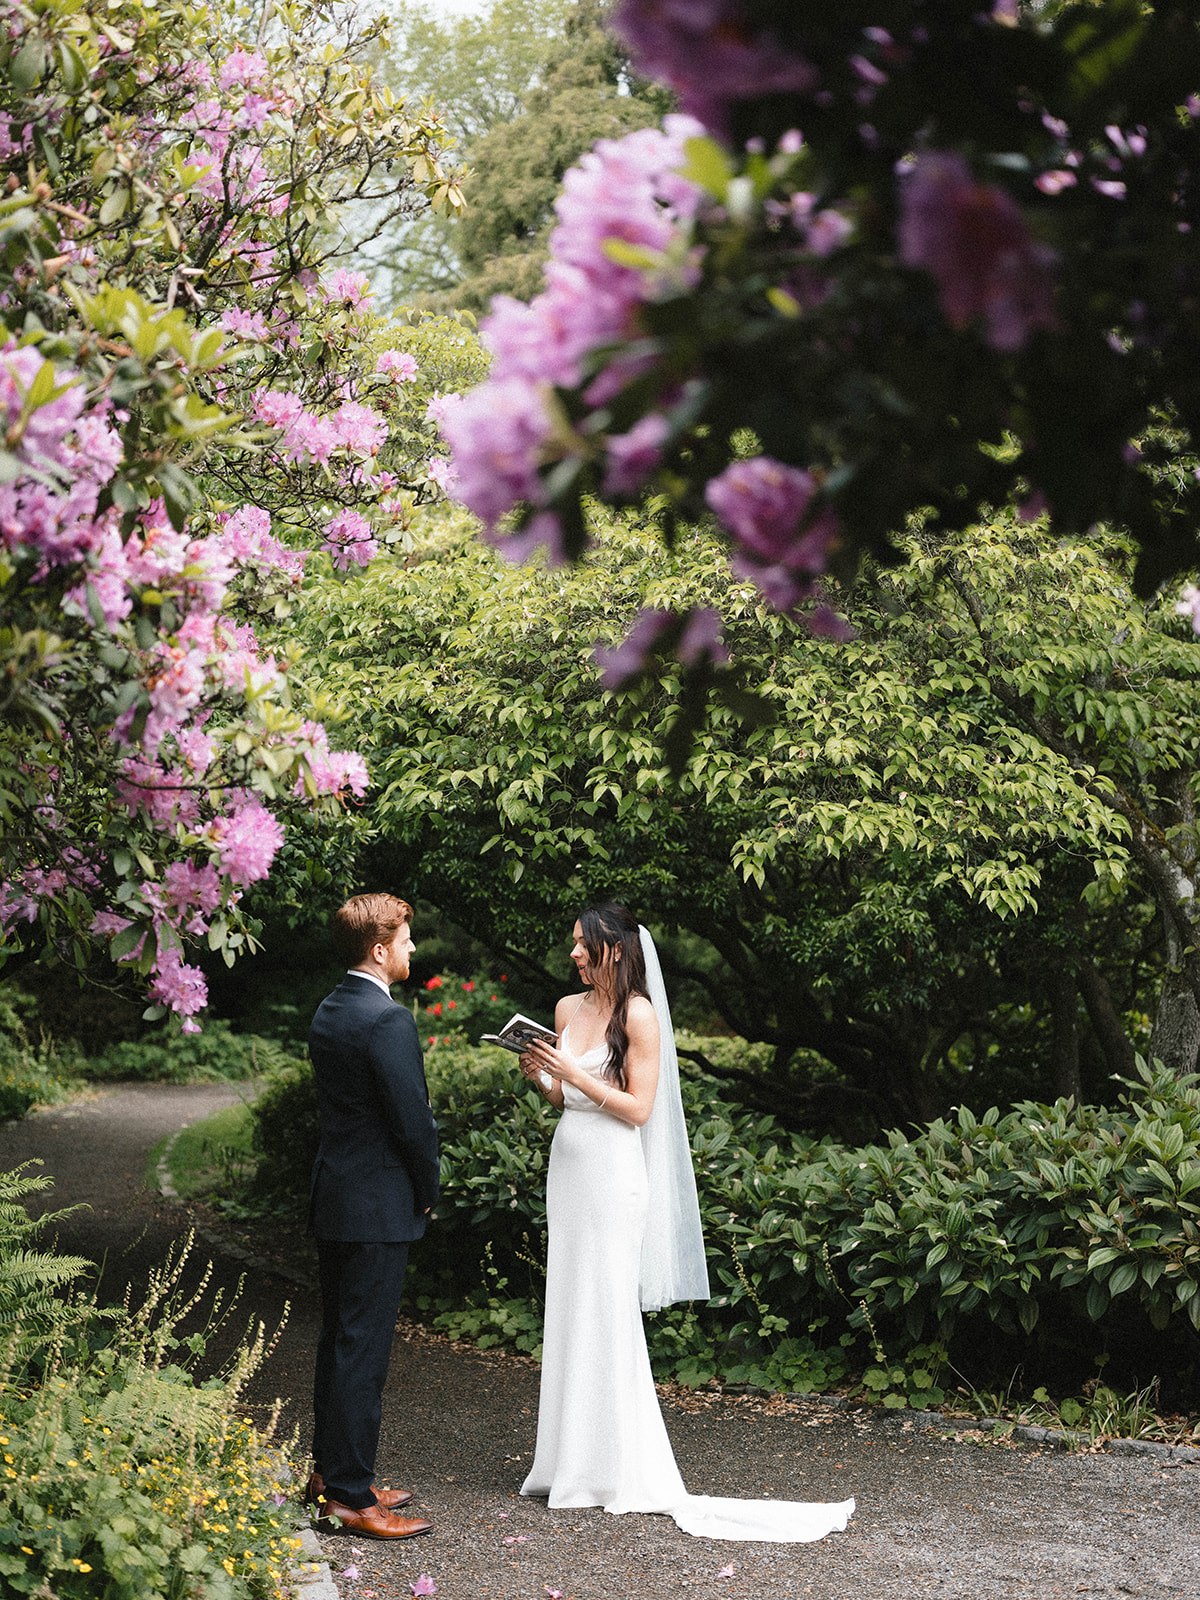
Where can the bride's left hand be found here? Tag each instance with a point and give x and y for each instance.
(545, 1058)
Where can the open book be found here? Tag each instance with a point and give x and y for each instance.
(518, 1033)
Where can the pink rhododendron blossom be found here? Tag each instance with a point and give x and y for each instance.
(349, 540)
(1055, 182)
(974, 242)
(423, 1585)
(331, 771)
(633, 456)
(827, 231)
(625, 190)
(1188, 605)
(195, 747)
(399, 365)
(440, 406)
(50, 512)
(277, 409)
(349, 288)
(255, 109)
(179, 986)
(243, 66)
(107, 923)
(765, 504)
(188, 886)
(710, 53)
(443, 474)
(164, 796)
(358, 428)
(245, 324)
(247, 842)
(496, 436)
(620, 664)
(700, 638)
(247, 538)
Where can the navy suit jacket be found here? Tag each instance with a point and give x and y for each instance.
(376, 1169)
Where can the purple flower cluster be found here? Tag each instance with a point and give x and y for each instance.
(306, 437)
(48, 512)
(348, 538)
(699, 638)
(783, 542)
(169, 757)
(625, 192)
(974, 242)
(711, 54)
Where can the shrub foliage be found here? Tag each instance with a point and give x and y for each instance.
(120, 1474)
(1064, 1229)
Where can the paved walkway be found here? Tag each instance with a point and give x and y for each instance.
(958, 1520)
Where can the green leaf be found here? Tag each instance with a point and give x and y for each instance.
(28, 65)
(707, 165)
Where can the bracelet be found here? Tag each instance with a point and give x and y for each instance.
(601, 1105)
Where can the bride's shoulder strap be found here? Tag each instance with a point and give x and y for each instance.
(571, 1018)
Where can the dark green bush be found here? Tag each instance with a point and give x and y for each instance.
(284, 1136)
(1055, 1232)
(35, 1069)
(210, 1056)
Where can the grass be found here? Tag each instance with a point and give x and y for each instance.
(208, 1157)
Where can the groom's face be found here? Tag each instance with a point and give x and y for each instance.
(396, 954)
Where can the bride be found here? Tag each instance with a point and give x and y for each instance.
(624, 1236)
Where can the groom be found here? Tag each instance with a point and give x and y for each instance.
(373, 1183)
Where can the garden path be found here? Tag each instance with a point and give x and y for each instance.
(957, 1520)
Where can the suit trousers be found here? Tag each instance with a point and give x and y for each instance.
(361, 1284)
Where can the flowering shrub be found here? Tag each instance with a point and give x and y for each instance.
(846, 286)
(119, 1475)
(166, 273)
(469, 1005)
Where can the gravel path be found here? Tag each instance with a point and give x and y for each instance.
(961, 1520)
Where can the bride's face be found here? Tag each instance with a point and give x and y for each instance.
(579, 955)
(583, 961)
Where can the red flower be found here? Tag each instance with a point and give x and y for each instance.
(450, 1004)
(504, 977)
(469, 987)
(434, 983)
(495, 997)
(437, 1009)
(433, 1038)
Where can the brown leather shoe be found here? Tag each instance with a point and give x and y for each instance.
(390, 1499)
(373, 1522)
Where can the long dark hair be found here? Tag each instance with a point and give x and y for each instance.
(603, 928)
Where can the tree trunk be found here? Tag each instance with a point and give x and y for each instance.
(1176, 1037)
(1065, 1052)
(1106, 1025)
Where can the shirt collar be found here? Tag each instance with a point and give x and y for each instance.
(357, 972)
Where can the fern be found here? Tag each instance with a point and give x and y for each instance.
(33, 1313)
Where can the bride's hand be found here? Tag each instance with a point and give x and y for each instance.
(545, 1058)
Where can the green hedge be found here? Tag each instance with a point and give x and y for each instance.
(1054, 1232)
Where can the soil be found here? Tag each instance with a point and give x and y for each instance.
(961, 1519)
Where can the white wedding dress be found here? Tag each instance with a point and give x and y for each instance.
(600, 1438)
